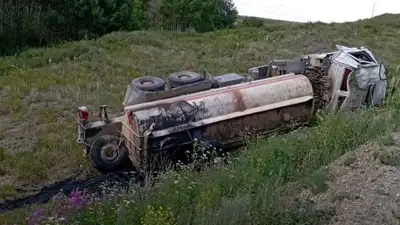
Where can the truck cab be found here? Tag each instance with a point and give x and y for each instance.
(355, 77)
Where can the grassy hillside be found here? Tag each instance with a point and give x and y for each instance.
(40, 88)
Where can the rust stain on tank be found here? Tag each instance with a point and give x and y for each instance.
(238, 101)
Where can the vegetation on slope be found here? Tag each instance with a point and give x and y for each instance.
(41, 87)
(260, 186)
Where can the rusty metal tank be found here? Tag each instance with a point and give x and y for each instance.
(221, 114)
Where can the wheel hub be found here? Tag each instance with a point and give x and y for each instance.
(183, 76)
(109, 152)
(146, 82)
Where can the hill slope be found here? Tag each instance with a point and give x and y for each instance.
(41, 88)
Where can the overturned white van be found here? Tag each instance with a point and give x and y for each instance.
(358, 79)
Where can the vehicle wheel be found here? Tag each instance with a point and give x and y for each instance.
(106, 155)
(182, 78)
(149, 83)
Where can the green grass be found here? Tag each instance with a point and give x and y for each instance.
(41, 87)
(259, 186)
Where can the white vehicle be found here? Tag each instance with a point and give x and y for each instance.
(356, 78)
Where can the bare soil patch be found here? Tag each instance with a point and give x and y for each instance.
(363, 185)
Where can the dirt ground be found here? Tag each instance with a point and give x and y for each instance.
(363, 186)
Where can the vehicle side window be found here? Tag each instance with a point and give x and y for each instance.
(362, 55)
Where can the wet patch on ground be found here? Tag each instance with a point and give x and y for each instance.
(94, 185)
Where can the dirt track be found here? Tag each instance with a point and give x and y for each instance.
(363, 186)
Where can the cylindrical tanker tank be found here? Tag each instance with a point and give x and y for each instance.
(220, 114)
(214, 106)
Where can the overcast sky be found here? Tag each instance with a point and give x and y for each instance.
(316, 10)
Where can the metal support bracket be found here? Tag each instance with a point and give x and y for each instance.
(143, 155)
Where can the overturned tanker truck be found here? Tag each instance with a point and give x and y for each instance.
(160, 117)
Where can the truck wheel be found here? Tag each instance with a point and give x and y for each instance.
(106, 155)
(182, 78)
(149, 83)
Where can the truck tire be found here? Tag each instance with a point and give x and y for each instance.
(101, 157)
(182, 78)
(149, 83)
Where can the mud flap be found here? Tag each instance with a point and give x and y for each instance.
(144, 161)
